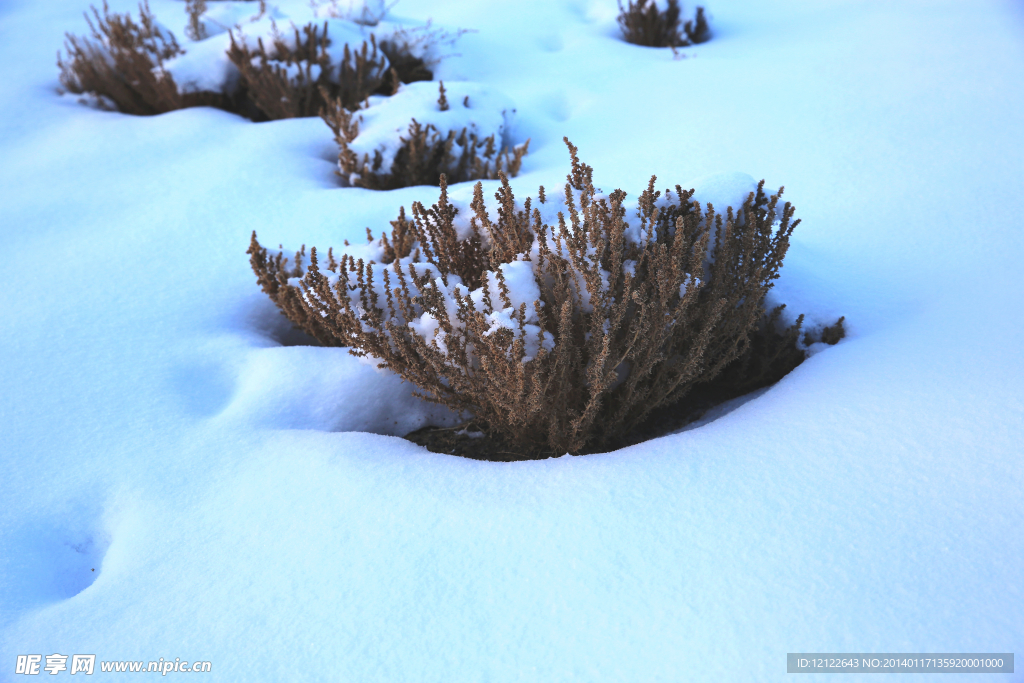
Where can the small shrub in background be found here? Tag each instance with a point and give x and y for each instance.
(557, 337)
(411, 52)
(424, 155)
(298, 79)
(645, 23)
(123, 62)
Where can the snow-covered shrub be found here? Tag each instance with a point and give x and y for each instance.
(558, 334)
(412, 52)
(298, 73)
(123, 62)
(655, 23)
(464, 138)
(129, 66)
(239, 60)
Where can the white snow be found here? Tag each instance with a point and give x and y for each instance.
(243, 499)
(204, 66)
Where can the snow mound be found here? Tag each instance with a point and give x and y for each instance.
(327, 390)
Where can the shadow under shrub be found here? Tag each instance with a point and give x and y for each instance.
(558, 337)
(644, 23)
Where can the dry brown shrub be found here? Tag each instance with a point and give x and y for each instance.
(771, 355)
(643, 23)
(123, 62)
(622, 325)
(426, 154)
(288, 82)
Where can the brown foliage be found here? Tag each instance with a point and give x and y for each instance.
(123, 62)
(771, 355)
(285, 82)
(643, 23)
(620, 328)
(425, 155)
(272, 274)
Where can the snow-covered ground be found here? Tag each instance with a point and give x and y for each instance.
(180, 481)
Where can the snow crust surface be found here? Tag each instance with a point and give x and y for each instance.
(183, 476)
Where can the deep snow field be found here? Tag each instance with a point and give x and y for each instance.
(179, 480)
